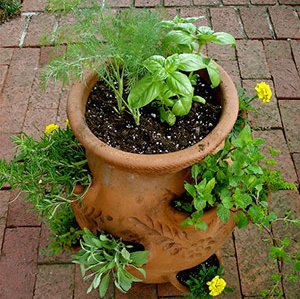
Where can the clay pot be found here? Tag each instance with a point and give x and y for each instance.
(130, 193)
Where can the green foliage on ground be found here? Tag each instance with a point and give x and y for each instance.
(47, 171)
(9, 8)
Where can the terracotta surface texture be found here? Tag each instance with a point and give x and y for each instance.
(267, 50)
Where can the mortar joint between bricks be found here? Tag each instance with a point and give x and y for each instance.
(25, 29)
(239, 19)
(270, 24)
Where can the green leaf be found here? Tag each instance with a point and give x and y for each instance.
(171, 63)
(191, 62)
(199, 99)
(210, 185)
(223, 38)
(199, 203)
(201, 225)
(155, 65)
(223, 213)
(139, 257)
(190, 189)
(214, 74)
(167, 116)
(182, 106)
(104, 285)
(143, 92)
(241, 219)
(125, 254)
(297, 266)
(178, 37)
(180, 84)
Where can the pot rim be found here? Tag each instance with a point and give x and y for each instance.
(151, 163)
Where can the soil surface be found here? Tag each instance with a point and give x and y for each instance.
(151, 136)
(184, 275)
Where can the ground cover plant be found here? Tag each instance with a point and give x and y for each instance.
(8, 9)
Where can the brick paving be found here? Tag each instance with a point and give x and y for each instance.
(268, 47)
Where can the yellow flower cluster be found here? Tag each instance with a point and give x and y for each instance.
(50, 128)
(216, 286)
(264, 92)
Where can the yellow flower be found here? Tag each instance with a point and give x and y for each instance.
(68, 123)
(264, 92)
(216, 286)
(50, 128)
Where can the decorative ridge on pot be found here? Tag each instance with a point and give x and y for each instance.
(150, 163)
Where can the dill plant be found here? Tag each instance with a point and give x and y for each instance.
(112, 44)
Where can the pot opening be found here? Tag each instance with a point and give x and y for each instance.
(184, 275)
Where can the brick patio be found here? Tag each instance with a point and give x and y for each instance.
(268, 48)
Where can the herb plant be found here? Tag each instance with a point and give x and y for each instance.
(47, 171)
(207, 283)
(104, 256)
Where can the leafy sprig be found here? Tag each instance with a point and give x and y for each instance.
(103, 256)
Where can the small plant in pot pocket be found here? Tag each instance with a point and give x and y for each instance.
(137, 116)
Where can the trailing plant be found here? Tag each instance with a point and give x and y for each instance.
(9, 8)
(102, 257)
(207, 283)
(237, 181)
(47, 171)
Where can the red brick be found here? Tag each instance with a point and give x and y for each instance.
(286, 22)
(206, 2)
(167, 290)
(17, 89)
(20, 213)
(296, 159)
(10, 32)
(254, 264)
(7, 147)
(226, 20)
(255, 22)
(291, 122)
(235, 2)
(138, 291)
(18, 262)
(3, 72)
(44, 257)
(81, 286)
(35, 120)
(289, 2)
(252, 60)
(275, 138)
(177, 2)
(34, 5)
(4, 199)
(147, 3)
(39, 26)
(283, 69)
(62, 109)
(296, 52)
(263, 2)
(219, 52)
(266, 115)
(231, 67)
(117, 3)
(44, 99)
(195, 12)
(49, 53)
(54, 281)
(231, 277)
(227, 249)
(5, 55)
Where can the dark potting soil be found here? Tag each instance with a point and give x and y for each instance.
(183, 276)
(151, 136)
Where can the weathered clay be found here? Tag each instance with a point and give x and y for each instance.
(130, 193)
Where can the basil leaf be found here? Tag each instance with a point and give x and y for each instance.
(223, 38)
(182, 106)
(180, 83)
(191, 62)
(143, 92)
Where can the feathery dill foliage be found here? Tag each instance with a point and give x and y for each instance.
(47, 171)
(113, 44)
